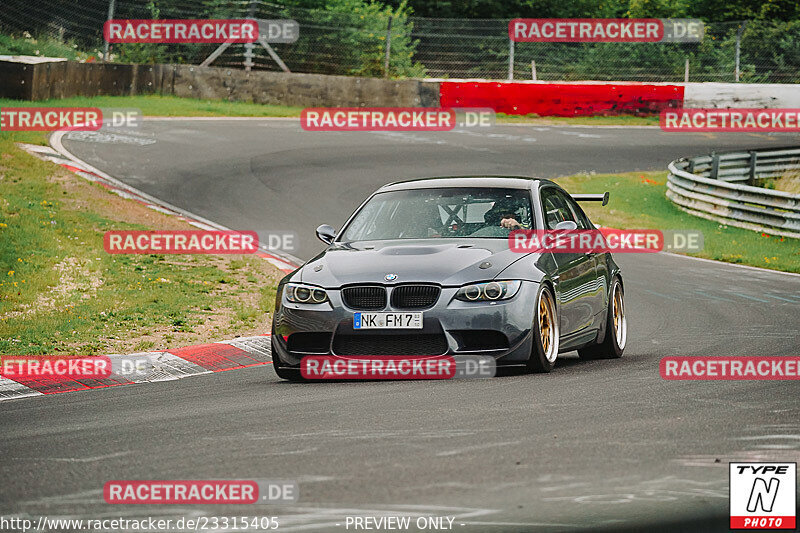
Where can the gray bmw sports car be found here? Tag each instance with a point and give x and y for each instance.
(424, 267)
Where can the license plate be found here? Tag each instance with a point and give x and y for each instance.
(387, 321)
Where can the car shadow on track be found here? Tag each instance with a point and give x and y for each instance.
(565, 362)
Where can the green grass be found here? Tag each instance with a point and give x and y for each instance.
(616, 120)
(173, 106)
(60, 292)
(637, 200)
(144, 345)
(42, 46)
(167, 106)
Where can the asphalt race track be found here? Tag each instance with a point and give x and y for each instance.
(602, 445)
(270, 175)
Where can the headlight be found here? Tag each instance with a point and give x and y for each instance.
(304, 294)
(490, 291)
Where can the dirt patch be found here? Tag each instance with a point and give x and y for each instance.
(73, 279)
(789, 183)
(240, 306)
(86, 195)
(244, 314)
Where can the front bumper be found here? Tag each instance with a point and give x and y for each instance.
(501, 329)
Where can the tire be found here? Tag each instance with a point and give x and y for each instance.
(616, 336)
(289, 374)
(546, 333)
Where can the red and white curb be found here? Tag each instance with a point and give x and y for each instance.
(168, 365)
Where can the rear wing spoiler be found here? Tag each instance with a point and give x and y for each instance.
(591, 197)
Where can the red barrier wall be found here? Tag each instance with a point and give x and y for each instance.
(562, 99)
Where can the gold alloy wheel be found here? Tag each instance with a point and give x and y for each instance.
(548, 330)
(620, 322)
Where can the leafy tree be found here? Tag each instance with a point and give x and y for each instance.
(144, 52)
(657, 9)
(349, 36)
(771, 52)
(727, 10)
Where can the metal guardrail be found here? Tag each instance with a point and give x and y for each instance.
(720, 187)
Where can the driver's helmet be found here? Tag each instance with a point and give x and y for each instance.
(502, 208)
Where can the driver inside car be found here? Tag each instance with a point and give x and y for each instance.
(502, 214)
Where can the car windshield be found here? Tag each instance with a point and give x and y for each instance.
(441, 213)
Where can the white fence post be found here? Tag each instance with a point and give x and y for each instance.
(510, 59)
(110, 16)
(738, 50)
(248, 47)
(388, 48)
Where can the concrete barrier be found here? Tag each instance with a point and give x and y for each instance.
(67, 78)
(547, 98)
(741, 95)
(315, 90)
(42, 80)
(562, 99)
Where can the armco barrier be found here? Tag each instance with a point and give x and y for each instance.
(562, 99)
(720, 187)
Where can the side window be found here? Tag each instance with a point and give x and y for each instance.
(580, 217)
(555, 208)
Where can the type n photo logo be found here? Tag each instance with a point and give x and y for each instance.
(763, 495)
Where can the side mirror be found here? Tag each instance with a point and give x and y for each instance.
(326, 233)
(566, 225)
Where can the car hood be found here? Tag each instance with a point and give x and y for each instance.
(446, 262)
